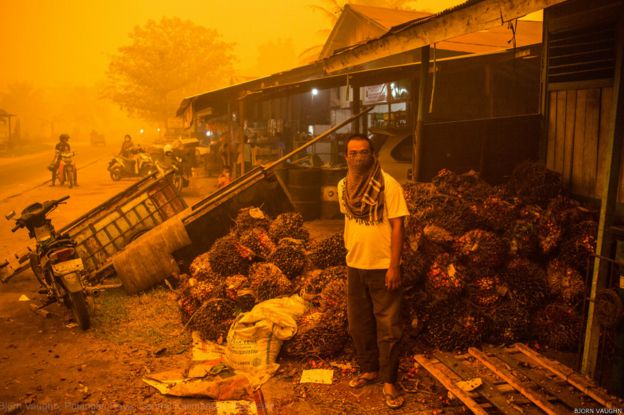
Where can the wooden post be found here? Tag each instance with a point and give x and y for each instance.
(422, 107)
(544, 94)
(241, 134)
(610, 182)
(355, 109)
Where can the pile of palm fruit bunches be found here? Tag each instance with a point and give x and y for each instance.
(480, 264)
(261, 259)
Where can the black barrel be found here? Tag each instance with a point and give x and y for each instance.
(304, 186)
(329, 192)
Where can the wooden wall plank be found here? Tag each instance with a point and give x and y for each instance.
(620, 198)
(552, 130)
(590, 153)
(606, 108)
(576, 184)
(568, 146)
(560, 131)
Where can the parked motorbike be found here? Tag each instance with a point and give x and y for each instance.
(140, 164)
(180, 176)
(55, 262)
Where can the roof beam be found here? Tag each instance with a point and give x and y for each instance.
(470, 18)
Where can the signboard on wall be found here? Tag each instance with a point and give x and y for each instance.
(375, 93)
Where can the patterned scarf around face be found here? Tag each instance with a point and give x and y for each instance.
(363, 196)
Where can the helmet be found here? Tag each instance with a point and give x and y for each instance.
(168, 148)
(64, 137)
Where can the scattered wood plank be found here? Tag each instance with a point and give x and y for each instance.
(515, 380)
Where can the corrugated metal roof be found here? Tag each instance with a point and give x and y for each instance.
(387, 17)
(527, 32)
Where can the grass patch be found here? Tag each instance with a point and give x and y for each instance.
(149, 321)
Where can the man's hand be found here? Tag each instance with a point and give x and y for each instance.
(393, 278)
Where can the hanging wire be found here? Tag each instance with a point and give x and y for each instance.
(433, 80)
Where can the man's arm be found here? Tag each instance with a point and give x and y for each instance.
(393, 275)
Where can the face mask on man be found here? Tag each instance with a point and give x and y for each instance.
(359, 161)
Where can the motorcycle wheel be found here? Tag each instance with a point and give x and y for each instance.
(70, 177)
(115, 175)
(78, 305)
(177, 182)
(35, 265)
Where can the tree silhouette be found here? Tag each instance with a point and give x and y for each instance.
(166, 61)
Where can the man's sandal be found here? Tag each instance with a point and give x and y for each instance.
(393, 401)
(361, 381)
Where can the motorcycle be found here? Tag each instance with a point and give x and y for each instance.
(67, 170)
(140, 164)
(180, 175)
(55, 262)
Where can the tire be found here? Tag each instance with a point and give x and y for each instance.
(78, 306)
(115, 175)
(35, 265)
(177, 182)
(69, 177)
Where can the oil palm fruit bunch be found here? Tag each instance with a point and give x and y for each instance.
(496, 213)
(454, 325)
(558, 326)
(535, 184)
(482, 248)
(312, 284)
(249, 218)
(509, 323)
(418, 195)
(468, 186)
(288, 225)
(289, 256)
(214, 318)
(523, 239)
(258, 241)
(449, 212)
(200, 268)
(446, 278)
(238, 288)
(268, 281)
(204, 290)
(333, 298)
(486, 290)
(228, 257)
(319, 334)
(527, 283)
(565, 282)
(328, 252)
(579, 244)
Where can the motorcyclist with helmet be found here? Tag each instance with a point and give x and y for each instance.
(126, 146)
(61, 147)
(129, 151)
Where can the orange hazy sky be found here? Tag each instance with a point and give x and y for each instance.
(69, 42)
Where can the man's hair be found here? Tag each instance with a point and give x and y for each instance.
(359, 136)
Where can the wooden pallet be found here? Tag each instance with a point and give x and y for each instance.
(516, 380)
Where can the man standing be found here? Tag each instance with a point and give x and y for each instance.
(374, 206)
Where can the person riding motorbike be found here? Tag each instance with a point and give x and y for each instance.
(61, 147)
(129, 151)
(126, 146)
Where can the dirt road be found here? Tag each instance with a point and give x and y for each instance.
(51, 367)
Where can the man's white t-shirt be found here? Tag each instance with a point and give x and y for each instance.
(368, 246)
